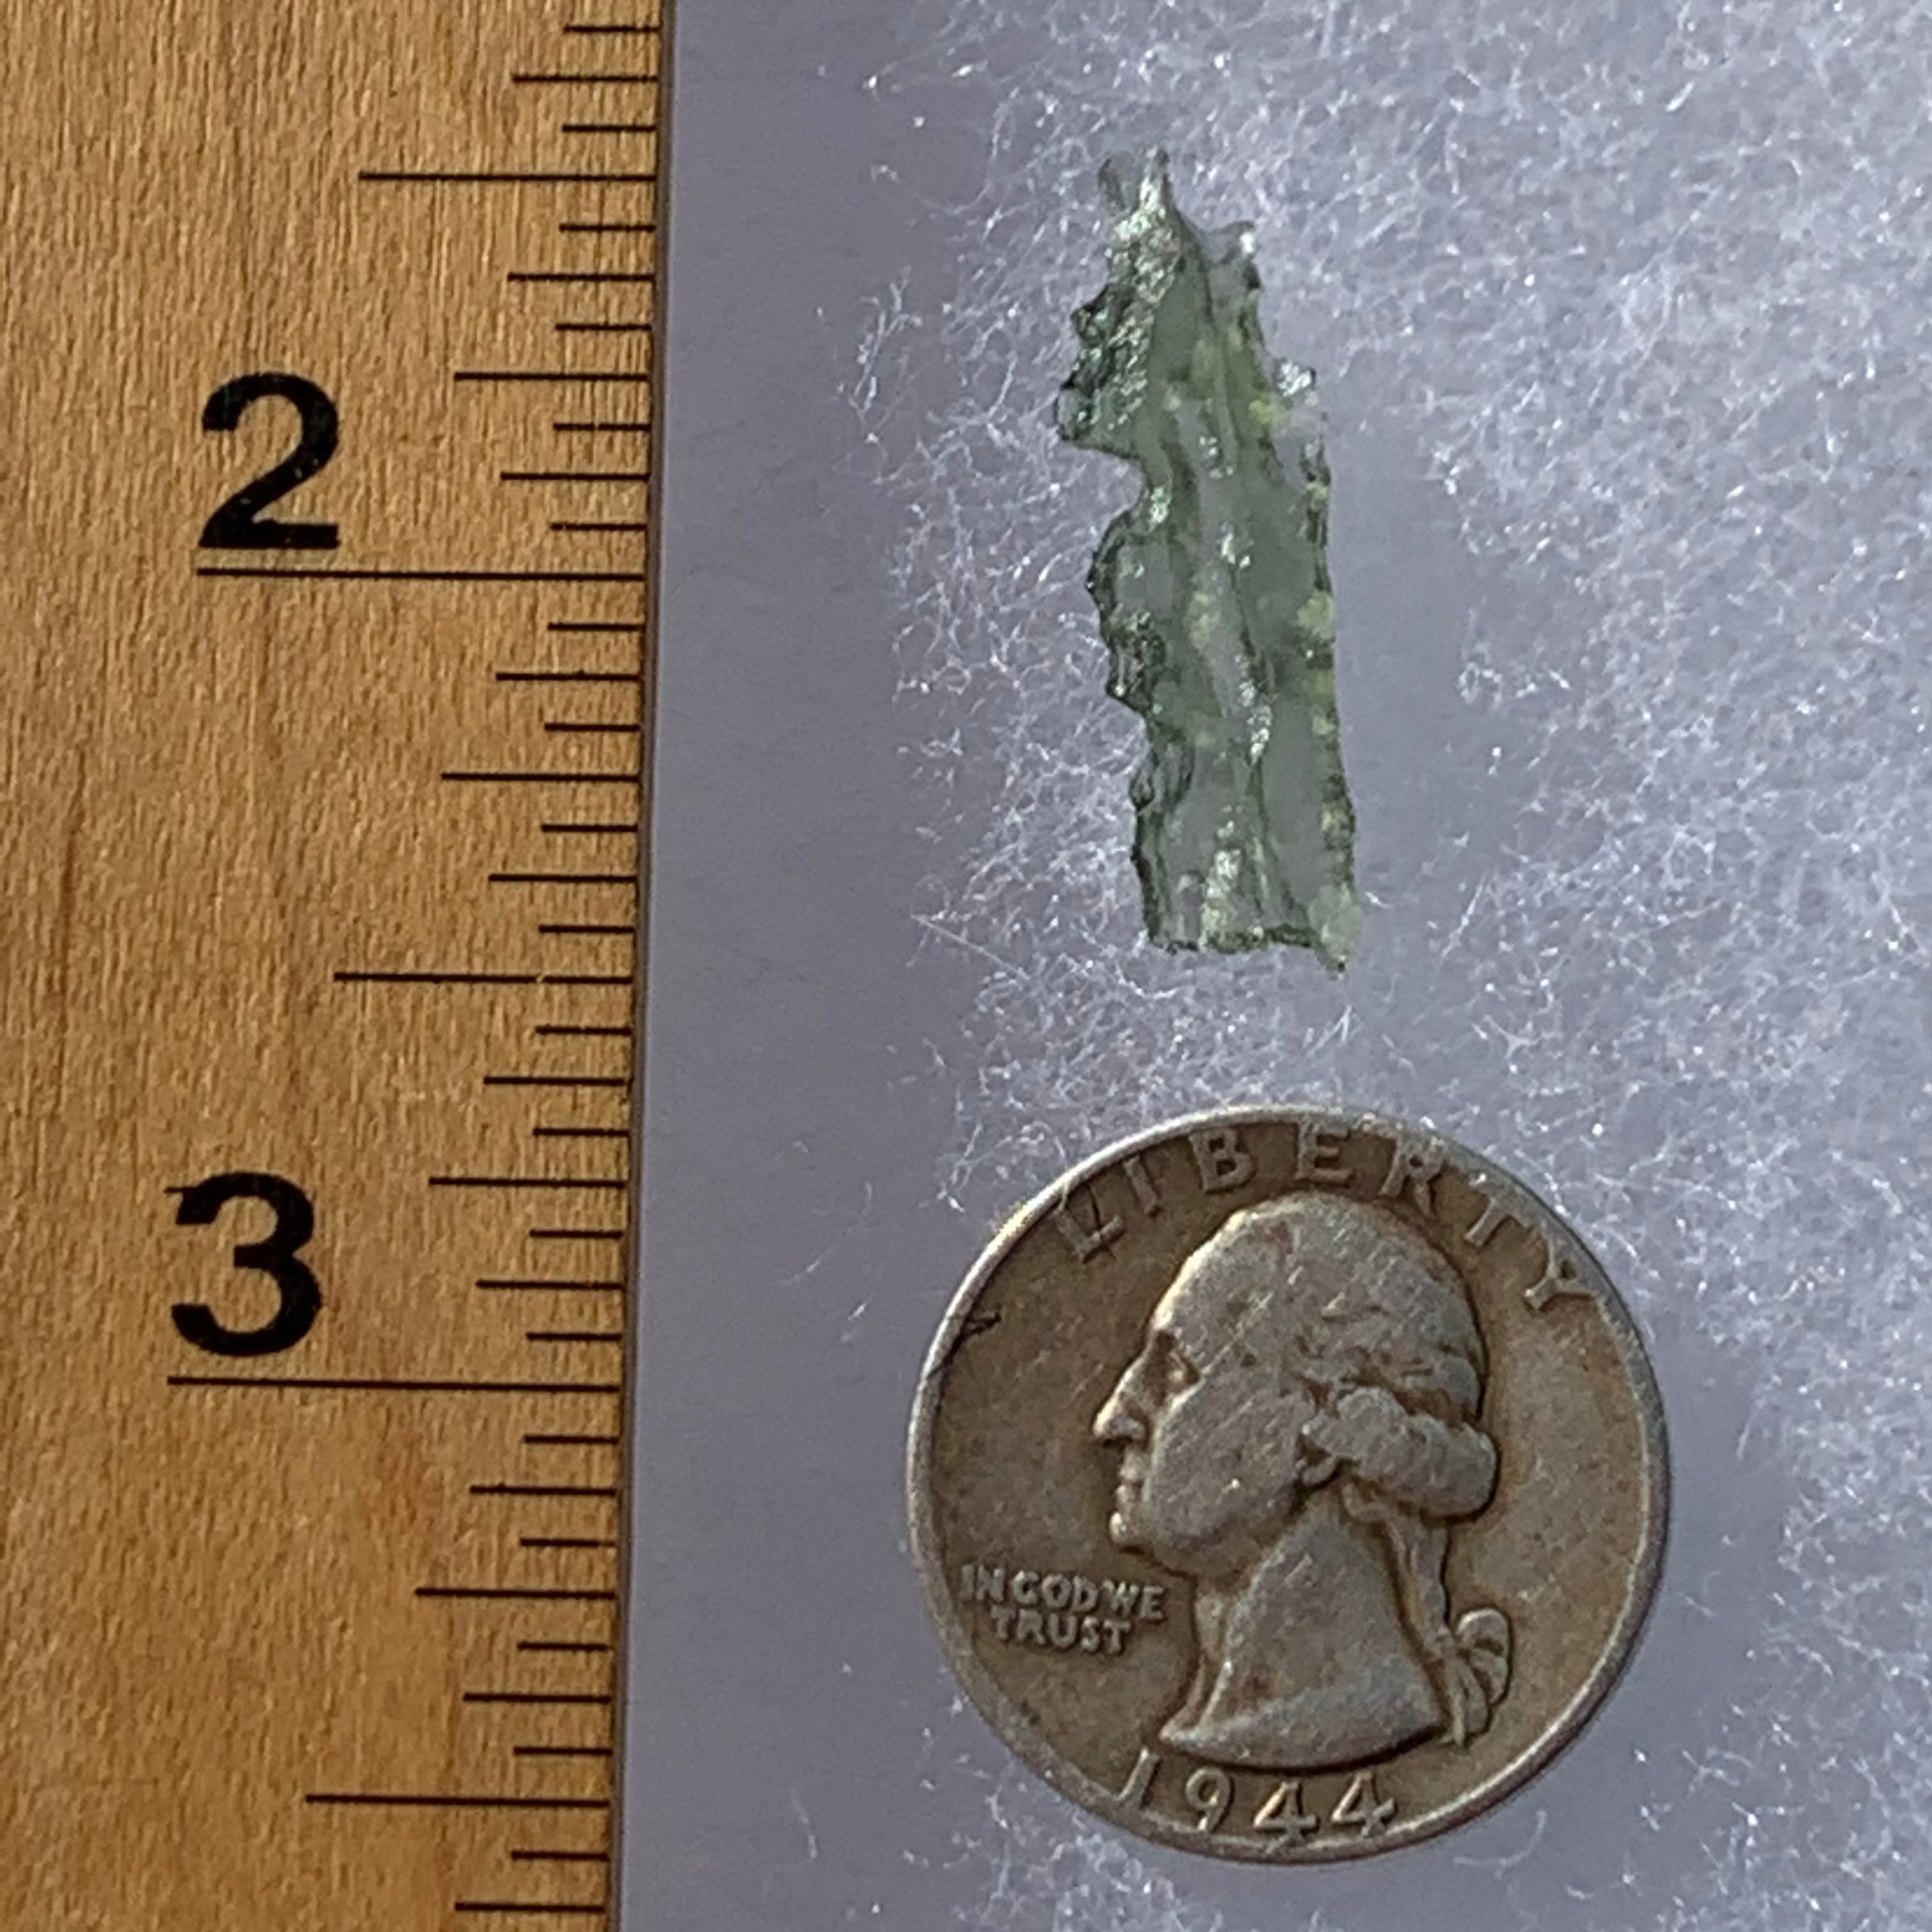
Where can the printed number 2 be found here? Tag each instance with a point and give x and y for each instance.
(239, 524)
(275, 1257)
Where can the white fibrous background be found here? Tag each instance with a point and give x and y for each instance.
(1622, 318)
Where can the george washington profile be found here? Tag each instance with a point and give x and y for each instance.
(1297, 1435)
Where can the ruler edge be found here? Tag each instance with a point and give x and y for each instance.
(630, 1404)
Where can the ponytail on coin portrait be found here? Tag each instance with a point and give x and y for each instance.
(1411, 1475)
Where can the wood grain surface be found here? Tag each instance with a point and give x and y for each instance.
(325, 1637)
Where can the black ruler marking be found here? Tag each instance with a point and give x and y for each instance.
(460, 1801)
(391, 1385)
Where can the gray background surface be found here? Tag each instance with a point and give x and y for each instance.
(1619, 327)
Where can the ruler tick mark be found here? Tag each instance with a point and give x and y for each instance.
(614, 1082)
(582, 274)
(535, 1285)
(599, 1492)
(553, 375)
(465, 177)
(388, 1386)
(537, 1697)
(570, 677)
(631, 79)
(263, 571)
(360, 978)
(457, 1801)
(541, 777)
(535, 1182)
(528, 1908)
(514, 1593)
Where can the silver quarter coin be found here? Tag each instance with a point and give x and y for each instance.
(1288, 1484)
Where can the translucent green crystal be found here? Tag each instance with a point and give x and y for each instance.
(1213, 589)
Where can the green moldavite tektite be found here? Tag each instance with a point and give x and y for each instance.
(1213, 589)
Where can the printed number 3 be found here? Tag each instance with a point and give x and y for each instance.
(275, 1257)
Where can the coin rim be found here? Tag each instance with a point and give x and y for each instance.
(1019, 1732)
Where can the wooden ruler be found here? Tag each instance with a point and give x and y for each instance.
(324, 461)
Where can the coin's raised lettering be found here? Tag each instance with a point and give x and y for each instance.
(1060, 1610)
(1318, 1145)
(1143, 1184)
(1479, 1232)
(1222, 1162)
(1413, 1164)
(1362, 1809)
(980, 1585)
(1210, 1791)
(1087, 1242)
(1059, 1630)
(1140, 1780)
(1280, 1815)
(1559, 1277)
